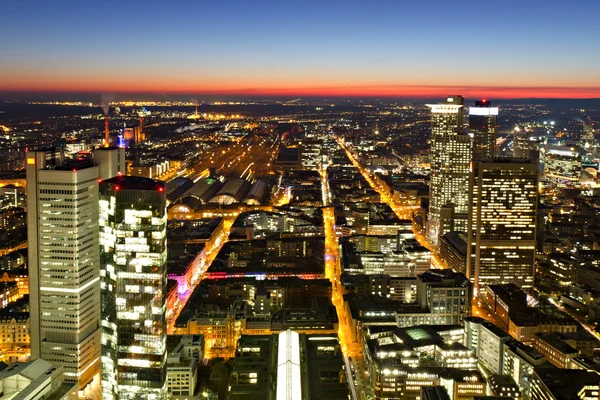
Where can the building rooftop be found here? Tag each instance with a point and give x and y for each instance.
(135, 183)
(457, 241)
(553, 339)
(565, 384)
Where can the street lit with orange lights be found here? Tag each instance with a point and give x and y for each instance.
(198, 275)
(402, 211)
(351, 349)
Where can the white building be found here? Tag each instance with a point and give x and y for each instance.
(64, 264)
(487, 341)
(35, 380)
(182, 367)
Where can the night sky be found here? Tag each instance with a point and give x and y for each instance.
(501, 49)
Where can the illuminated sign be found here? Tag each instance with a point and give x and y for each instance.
(486, 111)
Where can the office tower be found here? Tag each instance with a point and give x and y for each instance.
(526, 145)
(64, 262)
(310, 155)
(483, 121)
(450, 161)
(133, 255)
(502, 223)
(111, 161)
(562, 165)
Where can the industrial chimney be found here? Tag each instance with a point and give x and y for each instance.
(106, 142)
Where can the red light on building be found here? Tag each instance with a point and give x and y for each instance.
(160, 189)
(117, 188)
(484, 100)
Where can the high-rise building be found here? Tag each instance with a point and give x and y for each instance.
(133, 255)
(562, 165)
(64, 262)
(450, 169)
(311, 155)
(483, 121)
(502, 222)
(526, 145)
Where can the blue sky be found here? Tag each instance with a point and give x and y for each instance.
(305, 46)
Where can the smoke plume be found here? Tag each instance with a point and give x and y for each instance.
(105, 100)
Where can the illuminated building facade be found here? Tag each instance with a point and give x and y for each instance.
(502, 223)
(562, 165)
(64, 262)
(555, 383)
(483, 121)
(310, 155)
(450, 162)
(133, 275)
(527, 145)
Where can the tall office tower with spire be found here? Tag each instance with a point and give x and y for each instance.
(64, 263)
(450, 169)
(502, 223)
(483, 121)
(133, 256)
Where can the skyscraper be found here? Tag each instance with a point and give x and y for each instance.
(64, 262)
(562, 165)
(133, 273)
(450, 169)
(483, 121)
(502, 223)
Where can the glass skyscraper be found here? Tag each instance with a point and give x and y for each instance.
(483, 121)
(133, 257)
(63, 263)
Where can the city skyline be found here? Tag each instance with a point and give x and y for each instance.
(299, 200)
(269, 49)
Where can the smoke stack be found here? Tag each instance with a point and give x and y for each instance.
(141, 128)
(106, 142)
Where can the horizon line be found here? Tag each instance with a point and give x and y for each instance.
(336, 91)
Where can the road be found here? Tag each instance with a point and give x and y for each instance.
(401, 211)
(199, 274)
(351, 349)
(577, 318)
